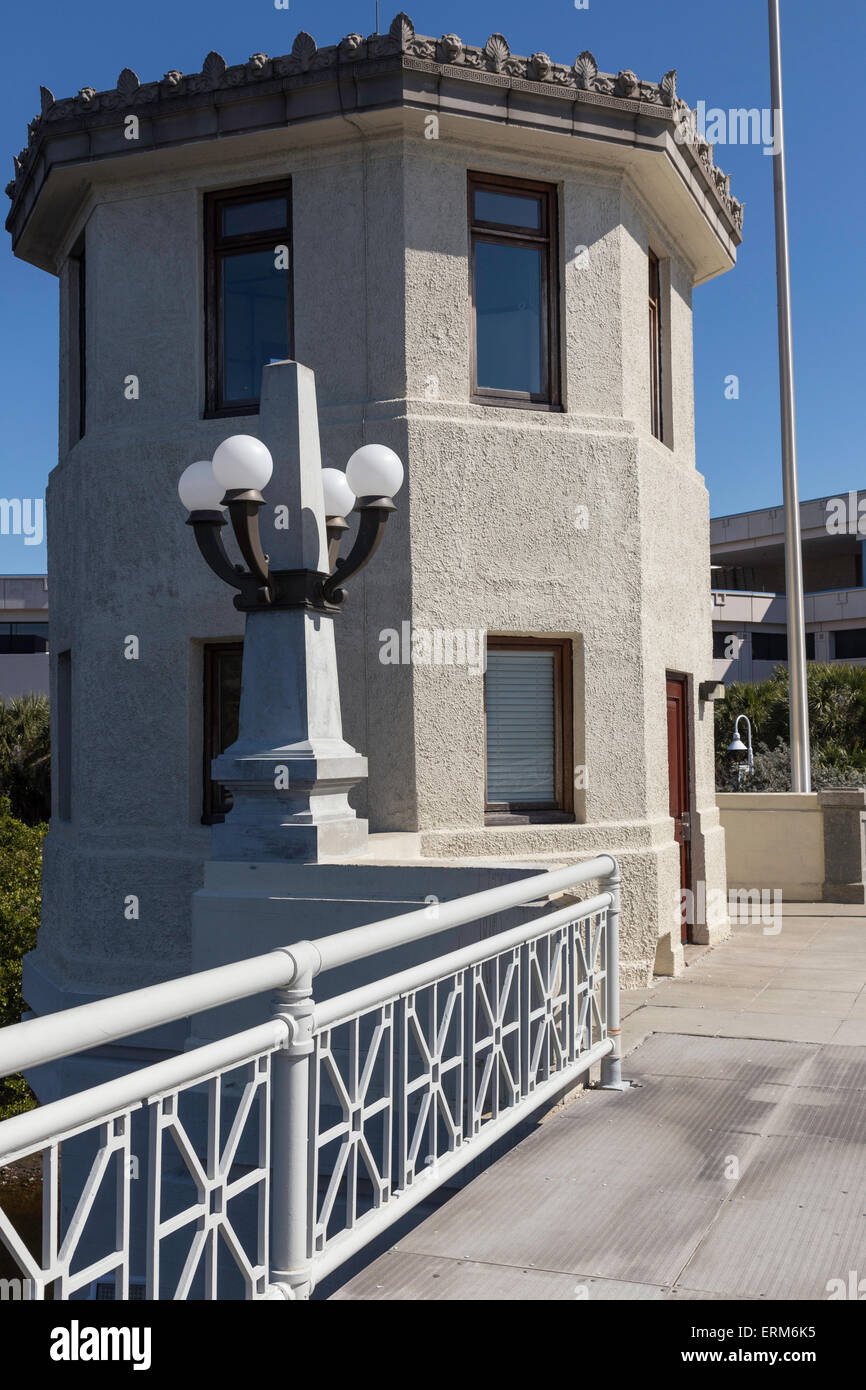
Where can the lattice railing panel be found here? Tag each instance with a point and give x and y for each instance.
(112, 1203)
(402, 1085)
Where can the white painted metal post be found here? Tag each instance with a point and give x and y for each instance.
(611, 1066)
(290, 1254)
(798, 699)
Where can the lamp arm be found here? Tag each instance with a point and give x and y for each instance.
(244, 512)
(335, 526)
(374, 518)
(207, 528)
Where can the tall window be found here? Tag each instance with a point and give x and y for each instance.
(222, 694)
(655, 347)
(514, 288)
(528, 717)
(62, 737)
(82, 346)
(248, 300)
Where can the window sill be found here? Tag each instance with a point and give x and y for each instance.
(516, 403)
(506, 818)
(226, 412)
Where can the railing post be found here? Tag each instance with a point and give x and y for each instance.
(289, 1247)
(611, 1066)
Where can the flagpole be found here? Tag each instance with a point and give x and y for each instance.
(801, 773)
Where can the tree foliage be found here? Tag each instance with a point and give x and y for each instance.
(25, 757)
(837, 729)
(20, 900)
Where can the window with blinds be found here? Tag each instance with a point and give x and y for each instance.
(527, 691)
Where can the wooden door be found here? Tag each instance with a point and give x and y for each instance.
(679, 780)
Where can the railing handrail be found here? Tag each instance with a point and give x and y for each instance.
(329, 1012)
(22, 1134)
(344, 947)
(69, 1031)
(40, 1040)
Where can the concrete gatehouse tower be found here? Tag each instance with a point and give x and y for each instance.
(487, 261)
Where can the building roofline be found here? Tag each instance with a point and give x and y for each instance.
(93, 114)
(777, 506)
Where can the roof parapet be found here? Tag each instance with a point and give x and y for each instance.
(494, 63)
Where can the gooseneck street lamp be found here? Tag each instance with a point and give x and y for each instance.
(289, 771)
(737, 746)
(241, 467)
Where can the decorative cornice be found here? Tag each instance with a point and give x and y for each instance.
(494, 63)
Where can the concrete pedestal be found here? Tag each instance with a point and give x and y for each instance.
(244, 909)
(844, 813)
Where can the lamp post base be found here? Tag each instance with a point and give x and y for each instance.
(287, 807)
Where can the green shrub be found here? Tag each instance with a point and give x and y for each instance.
(20, 898)
(837, 729)
(25, 757)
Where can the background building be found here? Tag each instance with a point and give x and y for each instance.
(23, 635)
(749, 605)
(488, 261)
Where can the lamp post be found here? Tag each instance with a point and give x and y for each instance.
(737, 746)
(290, 770)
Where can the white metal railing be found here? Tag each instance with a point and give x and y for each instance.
(277, 1153)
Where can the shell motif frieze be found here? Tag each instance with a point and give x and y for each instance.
(495, 58)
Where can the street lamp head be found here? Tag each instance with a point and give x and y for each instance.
(339, 497)
(198, 488)
(374, 471)
(737, 746)
(242, 463)
(241, 467)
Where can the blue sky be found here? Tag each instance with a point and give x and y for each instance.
(720, 52)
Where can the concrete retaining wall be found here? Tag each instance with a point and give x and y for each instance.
(811, 846)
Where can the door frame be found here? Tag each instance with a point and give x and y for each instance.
(684, 680)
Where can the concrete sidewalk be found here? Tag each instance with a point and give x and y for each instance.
(805, 983)
(735, 1167)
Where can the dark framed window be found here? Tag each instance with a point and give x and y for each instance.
(222, 693)
(655, 347)
(773, 646)
(849, 643)
(248, 292)
(514, 291)
(529, 773)
(769, 646)
(61, 738)
(81, 295)
(23, 638)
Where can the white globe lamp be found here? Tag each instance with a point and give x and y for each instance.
(374, 471)
(339, 497)
(198, 488)
(242, 463)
